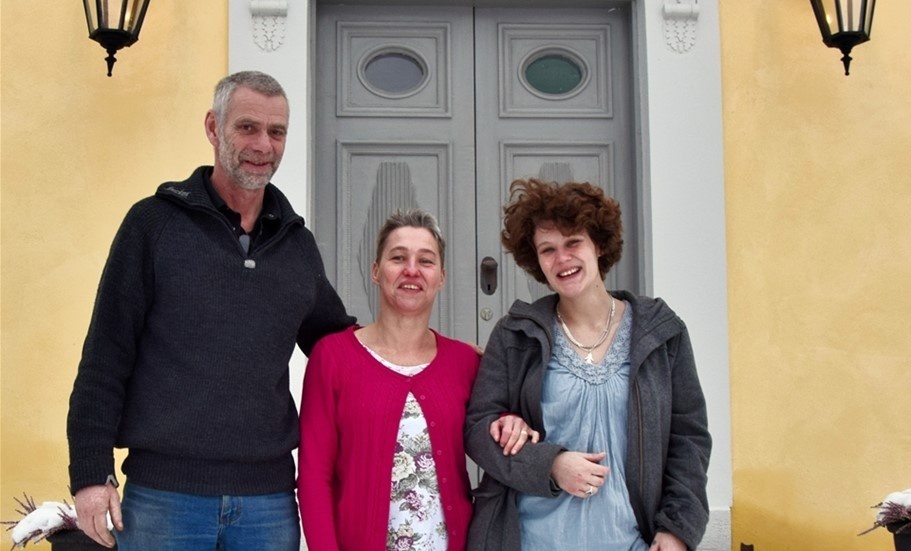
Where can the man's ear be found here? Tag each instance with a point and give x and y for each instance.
(211, 127)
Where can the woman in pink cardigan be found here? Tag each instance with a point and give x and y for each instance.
(382, 464)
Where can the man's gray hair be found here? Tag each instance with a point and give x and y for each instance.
(254, 80)
(411, 218)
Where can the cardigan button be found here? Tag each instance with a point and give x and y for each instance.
(250, 263)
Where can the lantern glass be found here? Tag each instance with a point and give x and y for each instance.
(867, 17)
(840, 16)
(121, 15)
(854, 15)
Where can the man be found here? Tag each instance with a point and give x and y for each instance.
(208, 285)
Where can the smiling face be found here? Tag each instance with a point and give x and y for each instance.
(409, 271)
(250, 141)
(569, 262)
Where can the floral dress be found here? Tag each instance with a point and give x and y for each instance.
(416, 520)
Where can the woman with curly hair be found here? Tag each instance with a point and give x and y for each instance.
(608, 379)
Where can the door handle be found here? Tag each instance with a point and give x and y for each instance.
(488, 275)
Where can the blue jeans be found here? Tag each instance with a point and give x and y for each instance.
(154, 520)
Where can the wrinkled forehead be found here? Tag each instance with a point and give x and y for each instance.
(412, 238)
(248, 103)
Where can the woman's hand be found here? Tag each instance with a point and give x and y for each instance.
(512, 433)
(665, 541)
(579, 474)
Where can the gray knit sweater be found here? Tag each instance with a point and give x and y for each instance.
(186, 358)
(669, 442)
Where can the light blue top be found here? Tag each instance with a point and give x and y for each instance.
(585, 409)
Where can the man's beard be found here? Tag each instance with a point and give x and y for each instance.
(232, 163)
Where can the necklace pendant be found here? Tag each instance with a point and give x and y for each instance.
(589, 359)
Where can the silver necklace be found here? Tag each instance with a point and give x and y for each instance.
(589, 358)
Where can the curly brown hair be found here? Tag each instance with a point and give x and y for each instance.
(571, 208)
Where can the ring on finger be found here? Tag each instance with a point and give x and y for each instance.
(590, 491)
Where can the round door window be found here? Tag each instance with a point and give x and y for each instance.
(394, 72)
(554, 73)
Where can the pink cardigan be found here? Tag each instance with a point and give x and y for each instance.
(350, 411)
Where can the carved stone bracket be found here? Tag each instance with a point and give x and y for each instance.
(269, 23)
(680, 18)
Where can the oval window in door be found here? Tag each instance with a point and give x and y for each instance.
(393, 72)
(554, 73)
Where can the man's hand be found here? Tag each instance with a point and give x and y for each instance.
(665, 541)
(93, 503)
(512, 433)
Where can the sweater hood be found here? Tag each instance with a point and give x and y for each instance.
(653, 321)
(192, 193)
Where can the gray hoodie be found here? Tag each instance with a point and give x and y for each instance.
(669, 442)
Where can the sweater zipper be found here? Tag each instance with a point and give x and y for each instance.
(217, 215)
(639, 436)
(282, 230)
(248, 260)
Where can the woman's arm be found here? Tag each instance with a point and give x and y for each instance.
(317, 454)
(496, 391)
(684, 504)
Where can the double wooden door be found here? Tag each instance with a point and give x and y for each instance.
(441, 108)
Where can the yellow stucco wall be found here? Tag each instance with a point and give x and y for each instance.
(818, 195)
(818, 190)
(78, 148)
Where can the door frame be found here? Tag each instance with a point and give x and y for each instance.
(682, 232)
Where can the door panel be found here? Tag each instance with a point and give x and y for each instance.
(442, 108)
(395, 124)
(575, 126)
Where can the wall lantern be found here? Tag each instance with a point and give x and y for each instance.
(114, 24)
(844, 24)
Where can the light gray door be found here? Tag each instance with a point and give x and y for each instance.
(395, 129)
(553, 103)
(442, 108)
